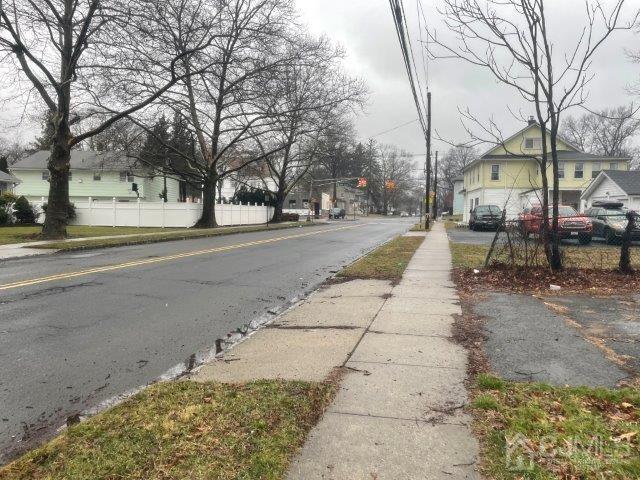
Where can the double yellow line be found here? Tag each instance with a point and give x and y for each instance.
(148, 261)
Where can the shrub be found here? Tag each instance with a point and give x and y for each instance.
(290, 217)
(24, 212)
(4, 215)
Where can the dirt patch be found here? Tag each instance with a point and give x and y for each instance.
(468, 332)
(538, 280)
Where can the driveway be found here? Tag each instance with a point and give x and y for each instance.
(572, 340)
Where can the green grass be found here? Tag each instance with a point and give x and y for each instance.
(166, 236)
(185, 430)
(536, 431)
(386, 262)
(601, 257)
(31, 233)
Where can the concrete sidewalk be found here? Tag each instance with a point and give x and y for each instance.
(398, 413)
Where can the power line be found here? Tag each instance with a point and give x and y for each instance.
(395, 128)
(398, 18)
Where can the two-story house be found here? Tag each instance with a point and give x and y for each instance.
(101, 176)
(509, 175)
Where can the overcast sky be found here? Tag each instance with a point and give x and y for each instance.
(365, 29)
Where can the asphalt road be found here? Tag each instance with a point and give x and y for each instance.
(79, 328)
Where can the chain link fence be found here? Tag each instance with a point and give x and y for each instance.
(518, 243)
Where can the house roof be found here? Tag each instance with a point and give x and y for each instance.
(628, 181)
(574, 154)
(8, 178)
(80, 160)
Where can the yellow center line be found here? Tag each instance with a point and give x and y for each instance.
(147, 261)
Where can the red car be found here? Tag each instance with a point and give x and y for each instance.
(571, 224)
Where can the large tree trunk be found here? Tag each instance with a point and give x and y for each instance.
(278, 207)
(208, 218)
(55, 223)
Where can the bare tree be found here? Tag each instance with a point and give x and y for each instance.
(454, 162)
(511, 39)
(219, 98)
(608, 132)
(306, 96)
(79, 56)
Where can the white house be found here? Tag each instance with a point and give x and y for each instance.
(101, 176)
(7, 182)
(614, 185)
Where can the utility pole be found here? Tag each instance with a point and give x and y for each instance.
(435, 188)
(427, 209)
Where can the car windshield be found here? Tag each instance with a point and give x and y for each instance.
(488, 209)
(564, 212)
(615, 215)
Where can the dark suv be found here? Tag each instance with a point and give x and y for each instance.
(610, 221)
(485, 217)
(337, 213)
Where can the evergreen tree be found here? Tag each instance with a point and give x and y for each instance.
(44, 141)
(155, 151)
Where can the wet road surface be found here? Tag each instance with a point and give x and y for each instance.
(79, 328)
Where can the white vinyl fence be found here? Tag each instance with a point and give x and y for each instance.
(160, 214)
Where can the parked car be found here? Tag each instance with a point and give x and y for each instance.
(337, 213)
(610, 221)
(571, 224)
(485, 217)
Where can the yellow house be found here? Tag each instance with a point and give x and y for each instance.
(509, 175)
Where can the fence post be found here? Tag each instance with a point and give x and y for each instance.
(114, 211)
(90, 212)
(625, 253)
(139, 212)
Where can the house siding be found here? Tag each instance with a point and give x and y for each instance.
(608, 190)
(82, 185)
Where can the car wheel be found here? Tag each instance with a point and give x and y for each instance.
(584, 239)
(609, 236)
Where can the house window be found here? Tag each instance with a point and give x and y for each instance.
(97, 176)
(579, 171)
(613, 166)
(595, 169)
(292, 204)
(560, 169)
(495, 172)
(533, 143)
(126, 177)
(70, 176)
(45, 175)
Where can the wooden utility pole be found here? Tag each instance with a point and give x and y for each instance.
(435, 188)
(427, 209)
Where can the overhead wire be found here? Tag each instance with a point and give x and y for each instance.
(399, 21)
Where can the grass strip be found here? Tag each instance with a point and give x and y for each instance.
(185, 430)
(536, 431)
(386, 262)
(31, 233)
(165, 237)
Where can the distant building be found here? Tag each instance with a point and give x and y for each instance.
(509, 175)
(458, 195)
(615, 186)
(7, 182)
(101, 176)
